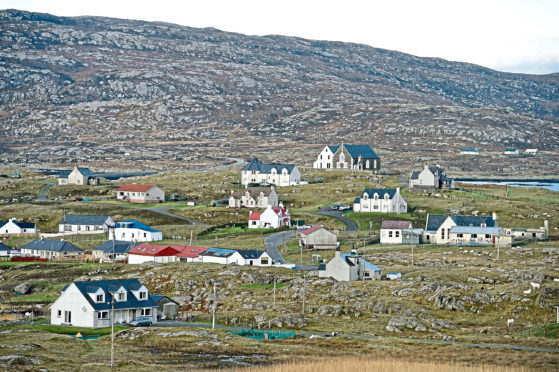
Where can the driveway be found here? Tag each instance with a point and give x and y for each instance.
(43, 191)
(273, 241)
(327, 211)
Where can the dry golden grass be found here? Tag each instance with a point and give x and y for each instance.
(381, 365)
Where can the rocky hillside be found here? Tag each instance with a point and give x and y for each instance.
(163, 92)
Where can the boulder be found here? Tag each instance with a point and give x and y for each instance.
(23, 288)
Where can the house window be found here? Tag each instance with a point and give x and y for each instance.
(99, 298)
(397, 234)
(121, 296)
(460, 235)
(487, 236)
(474, 236)
(145, 235)
(264, 261)
(59, 314)
(375, 206)
(320, 157)
(103, 315)
(442, 233)
(145, 312)
(143, 295)
(390, 233)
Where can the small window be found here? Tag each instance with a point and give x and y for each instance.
(143, 295)
(121, 296)
(145, 312)
(460, 235)
(397, 234)
(390, 233)
(99, 298)
(474, 236)
(103, 315)
(59, 313)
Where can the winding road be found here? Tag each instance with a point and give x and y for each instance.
(42, 196)
(272, 243)
(327, 211)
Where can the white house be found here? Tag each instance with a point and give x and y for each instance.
(134, 231)
(511, 151)
(254, 257)
(397, 232)
(271, 218)
(14, 228)
(118, 248)
(52, 249)
(254, 197)
(469, 151)
(6, 251)
(140, 193)
(89, 304)
(348, 267)
(432, 176)
(381, 201)
(438, 226)
(474, 235)
(85, 224)
(274, 174)
(221, 256)
(79, 176)
(523, 233)
(152, 253)
(531, 152)
(355, 157)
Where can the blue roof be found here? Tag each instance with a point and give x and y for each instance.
(4, 247)
(365, 151)
(84, 219)
(86, 172)
(112, 285)
(51, 246)
(250, 253)
(158, 298)
(218, 252)
(21, 225)
(371, 266)
(133, 224)
(119, 246)
(334, 148)
(380, 192)
(434, 221)
(256, 165)
(469, 149)
(365, 262)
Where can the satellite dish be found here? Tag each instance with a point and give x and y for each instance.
(84, 308)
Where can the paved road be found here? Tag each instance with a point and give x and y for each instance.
(327, 211)
(43, 191)
(174, 323)
(273, 241)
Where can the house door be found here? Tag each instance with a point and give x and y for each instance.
(132, 314)
(68, 317)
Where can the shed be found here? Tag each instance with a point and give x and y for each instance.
(167, 308)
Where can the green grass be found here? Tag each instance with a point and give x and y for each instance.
(264, 286)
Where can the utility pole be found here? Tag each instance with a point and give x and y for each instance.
(190, 237)
(214, 307)
(114, 237)
(112, 329)
(412, 255)
(274, 291)
(304, 292)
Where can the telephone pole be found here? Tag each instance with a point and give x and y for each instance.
(274, 291)
(214, 307)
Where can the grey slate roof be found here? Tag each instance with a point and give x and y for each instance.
(380, 192)
(4, 247)
(21, 225)
(475, 230)
(250, 253)
(415, 175)
(434, 221)
(257, 165)
(86, 172)
(254, 192)
(51, 246)
(397, 225)
(113, 285)
(120, 246)
(365, 151)
(84, 219)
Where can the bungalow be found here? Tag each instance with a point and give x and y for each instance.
(398, 232)
(120, 248)
(134, 231)
(6, 251)
(254, 257)
(474, 235)
(531, 152)
(140, 193)
(276, 174)
(355, 157)
(438, 226)
(432, 176)
(79, 176)
(221, 256)
(85, 224)
(523, 233)
(469, 151)
(14, 228)
(51, 249)
(271, 218)
(89, 304)
(254, 197)
(511, 151)
(152, 253)
(349, 267)
(380, 201)
(317, 237)
(189, 253)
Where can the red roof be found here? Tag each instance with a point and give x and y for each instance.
(154, 250)
(137, 187)
(310, 230)
(189, 251)
(255, 216)
(280, 211)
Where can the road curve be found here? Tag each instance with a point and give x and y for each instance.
(273, 241)
(327, 211)
(42, 196)
(163, 211)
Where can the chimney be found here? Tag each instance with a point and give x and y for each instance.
(338, 252)
(546, 227)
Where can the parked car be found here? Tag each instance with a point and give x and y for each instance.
(335, 207)
(343, 207)
(141, 321)
(77, 198)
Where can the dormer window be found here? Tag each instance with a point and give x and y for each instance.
(143, 295)
(376, 196)
(386, 196)
(99, 298)
(120, 296)
(365, 196)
